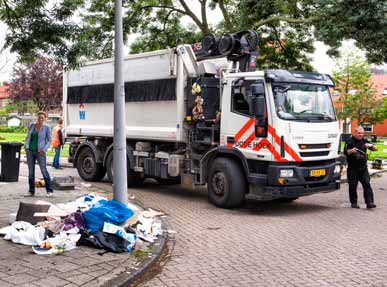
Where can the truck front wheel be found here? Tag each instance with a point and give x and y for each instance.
(226, 183)
(133, 178)
(87, 166)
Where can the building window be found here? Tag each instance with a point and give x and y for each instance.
(367, 127)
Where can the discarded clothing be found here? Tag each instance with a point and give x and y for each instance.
(74, 220)
(120, 231)
(25, 233)
(107, 241)
(110, 211)
(53, 227)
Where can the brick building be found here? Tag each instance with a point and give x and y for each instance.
(379, 81)
(4, 96)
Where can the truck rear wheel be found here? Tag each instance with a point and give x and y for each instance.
(87, 166)
(226, 183)
(133, 178)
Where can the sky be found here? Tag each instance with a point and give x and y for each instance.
(320, 60)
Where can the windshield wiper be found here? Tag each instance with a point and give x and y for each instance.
(321, 117)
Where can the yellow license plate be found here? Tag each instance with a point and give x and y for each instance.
(318, 172)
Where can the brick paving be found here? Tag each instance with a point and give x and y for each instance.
(20, 267)
(314, 241)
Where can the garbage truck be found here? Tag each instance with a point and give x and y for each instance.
(203, 115)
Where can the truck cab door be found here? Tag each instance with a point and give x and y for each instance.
(245, 119)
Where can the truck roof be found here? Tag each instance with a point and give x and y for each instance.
(131, 56)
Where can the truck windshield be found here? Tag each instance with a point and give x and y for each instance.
(303, 102)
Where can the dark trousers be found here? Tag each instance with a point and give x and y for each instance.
(32, 157)
(355, 175)
(55, 163)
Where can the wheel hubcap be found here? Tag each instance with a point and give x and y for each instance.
(88, 165)
(218, 183)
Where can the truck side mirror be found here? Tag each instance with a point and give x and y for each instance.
(257, 107)
(258, 90)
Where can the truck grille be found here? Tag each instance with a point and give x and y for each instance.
(316, 153)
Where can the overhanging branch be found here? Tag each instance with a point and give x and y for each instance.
(226, 17)
(285, 19)
(193, 17)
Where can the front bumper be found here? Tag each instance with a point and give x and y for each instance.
(301, 184)
(269, 193)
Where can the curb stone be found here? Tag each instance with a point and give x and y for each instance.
(124, 280)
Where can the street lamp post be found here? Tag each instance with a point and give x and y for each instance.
(120, 192)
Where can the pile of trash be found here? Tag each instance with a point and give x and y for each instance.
(91, 220)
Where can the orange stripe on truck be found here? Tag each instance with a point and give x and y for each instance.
(264, 142)
(249, 139)
(288, 149)
(244, 129)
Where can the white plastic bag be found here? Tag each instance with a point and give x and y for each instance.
(64, 241)
(25, 233)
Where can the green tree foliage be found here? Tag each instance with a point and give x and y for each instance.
(20, 107)
(73, 29)
(356, 92)
(364, 21)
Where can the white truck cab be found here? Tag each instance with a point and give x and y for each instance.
(263, 135)
(290, 138)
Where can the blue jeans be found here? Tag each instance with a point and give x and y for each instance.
(32, 157)
(55, 163)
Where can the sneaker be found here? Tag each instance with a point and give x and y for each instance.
(371, 205)
(355, 205)
(29, 194)
(49, 194)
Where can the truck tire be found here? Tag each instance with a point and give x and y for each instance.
(87, 166)
(226, 183)
(133, 178)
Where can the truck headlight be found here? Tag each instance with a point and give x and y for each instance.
(337, 168)
(286, 173)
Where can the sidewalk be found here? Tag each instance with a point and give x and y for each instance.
(19, 266)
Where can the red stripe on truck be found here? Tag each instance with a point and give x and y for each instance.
(288, 149)
(264, 142)
(244, 129)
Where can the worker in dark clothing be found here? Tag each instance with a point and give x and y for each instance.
(356, 152)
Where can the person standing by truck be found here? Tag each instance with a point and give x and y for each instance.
(57, 142)
(36, 145)
(356, 152)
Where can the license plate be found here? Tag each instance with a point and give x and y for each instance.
(318, 172)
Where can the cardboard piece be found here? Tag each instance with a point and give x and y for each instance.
(132, 220)
(26, 212)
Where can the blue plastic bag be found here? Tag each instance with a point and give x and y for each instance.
(110, 211)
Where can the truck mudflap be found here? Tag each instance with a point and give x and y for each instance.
(294, 180)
